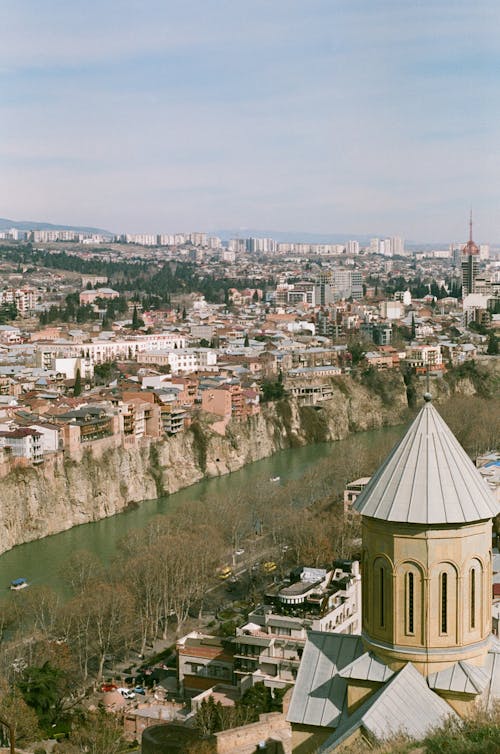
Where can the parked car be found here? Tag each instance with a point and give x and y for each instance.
(126, 693)
(105, 687)
(225, 572)
(269, 566)
(139, 690)
(239, 551)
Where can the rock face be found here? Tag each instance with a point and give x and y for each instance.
(36, 502)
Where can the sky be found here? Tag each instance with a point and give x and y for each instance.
(351, 116)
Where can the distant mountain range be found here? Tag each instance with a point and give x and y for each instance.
(285, 236)
(6, 224)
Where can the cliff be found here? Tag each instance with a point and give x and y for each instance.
(59, 494)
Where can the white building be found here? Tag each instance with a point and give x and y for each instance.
(50, 437)
(181, 360)
(99, 351)
(352, 247)
(392, 310)
(23, 442)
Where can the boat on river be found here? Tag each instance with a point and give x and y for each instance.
(18, 584)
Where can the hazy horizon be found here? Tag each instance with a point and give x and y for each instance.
(370, 117)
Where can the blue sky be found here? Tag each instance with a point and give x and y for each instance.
(349, 116)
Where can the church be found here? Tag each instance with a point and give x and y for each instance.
(426, 651)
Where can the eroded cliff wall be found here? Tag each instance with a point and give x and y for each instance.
(59, 494)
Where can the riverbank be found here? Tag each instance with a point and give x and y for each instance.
(36, 502)
(39, 501)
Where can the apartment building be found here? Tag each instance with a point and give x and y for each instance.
(181, 359)
(111, 349)
(420, 357)
(202, 662)
(269, 647)
(23, 443)
(23, 298)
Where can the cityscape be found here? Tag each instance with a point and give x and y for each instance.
(249, 378)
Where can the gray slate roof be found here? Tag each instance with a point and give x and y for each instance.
(427, 478)
(404, 705)
(319, 692)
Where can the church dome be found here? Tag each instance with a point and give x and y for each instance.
(428, 478)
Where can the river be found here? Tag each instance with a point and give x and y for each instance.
(43, 561)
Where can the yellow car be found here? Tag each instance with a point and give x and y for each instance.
(225, 572)
(269, 566)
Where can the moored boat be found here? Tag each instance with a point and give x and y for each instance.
(18, 584)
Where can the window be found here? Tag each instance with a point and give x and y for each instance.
(410, 603)
(473, 598)
(382, 597)
(444, 603)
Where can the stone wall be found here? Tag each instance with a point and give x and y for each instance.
(272, 729)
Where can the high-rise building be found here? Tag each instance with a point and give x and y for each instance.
(398, 245)
(324, 293)
(470, 256)
(352, 247)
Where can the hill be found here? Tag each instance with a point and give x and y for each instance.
(6, 224)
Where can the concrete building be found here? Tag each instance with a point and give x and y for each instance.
(269, 647)
(23, 298)
(352, 490)
(470, 258)
(203, 662)
(23, 443)
(181, 360)
(90, 296)
(426, 652)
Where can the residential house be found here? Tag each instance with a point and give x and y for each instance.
(203, 662)
(23, 443)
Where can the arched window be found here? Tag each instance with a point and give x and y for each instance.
(444, 603)
(382, 596)
(410, 603)
(473, 598)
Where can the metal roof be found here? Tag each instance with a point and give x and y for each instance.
(461, 678)
(492, 668)
(367, 668)
(427, 478)
(319, 692)
(404, 705)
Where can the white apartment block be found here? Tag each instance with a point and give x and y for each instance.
(238, 245)
(197, 239)
(269, 647)
(181, 360)
(423, 355)
(141, 239)
(392, 310)
(23, 443)
(23, 298)
(100, 351)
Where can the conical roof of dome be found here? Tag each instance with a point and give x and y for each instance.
(427, 478)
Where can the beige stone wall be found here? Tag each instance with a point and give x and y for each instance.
(272, 727)
(306, 739)
(430, 640)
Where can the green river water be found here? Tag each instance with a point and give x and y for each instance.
(43, 561)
